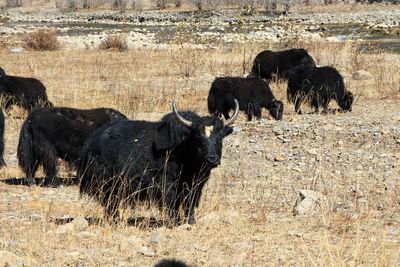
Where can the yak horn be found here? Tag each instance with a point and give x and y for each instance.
(235, 114)
(179, 117)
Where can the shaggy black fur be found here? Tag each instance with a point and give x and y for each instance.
(318, 85)
(253, 94)
(2, 162)
(164, 162)
(28, 93)
(51, 133)
(269, 62)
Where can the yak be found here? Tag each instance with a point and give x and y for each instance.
(28, 93)
(318, 86)
(268, 62)
(166, 163)
(51, 133)
(2, 162)
(253, 94)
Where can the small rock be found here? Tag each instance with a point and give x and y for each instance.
(146, 251)
(155, 237)
(279, 158)
(86, 235)
(307, 201)
(9, 259)
(35, 217)
(17, 50)
(65, 229)
(237, 129)
(80, 224)
(362, 75)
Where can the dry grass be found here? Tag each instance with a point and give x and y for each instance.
(113, 41)
(245, 219)
(41, 40)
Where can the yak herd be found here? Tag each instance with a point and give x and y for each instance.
(123, 162)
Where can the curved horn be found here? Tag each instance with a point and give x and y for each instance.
(235, 115)
(179, 117)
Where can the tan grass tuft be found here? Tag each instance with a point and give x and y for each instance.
(41, 40)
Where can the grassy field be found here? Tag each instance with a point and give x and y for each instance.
(245, 217)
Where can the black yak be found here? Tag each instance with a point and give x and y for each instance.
(253, 94)
(318, 85)
(55, 132)
(2, 162)
(28, 93)
(268, 62)
(166, 163)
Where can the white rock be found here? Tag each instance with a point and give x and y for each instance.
(155, 237)
(307, 201)
(362, 75)
(65, 229)
(17, 50)
(80, 224)
(146, 251)
(86, 235)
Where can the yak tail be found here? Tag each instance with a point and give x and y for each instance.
(25, 152)
(2, 162)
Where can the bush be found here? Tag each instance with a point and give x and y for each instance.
(41, 40)
(114, 41)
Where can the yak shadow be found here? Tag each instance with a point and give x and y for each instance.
(43, 182)
(140, 222)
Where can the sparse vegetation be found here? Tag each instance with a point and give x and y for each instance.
(114, 41)
(41, 40)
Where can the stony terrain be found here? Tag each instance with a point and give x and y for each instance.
(350, 160)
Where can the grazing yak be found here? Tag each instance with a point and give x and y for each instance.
(318, 85)
(252, 93)
(55, 132)
(166, 163)
(2, 162)
(28, 93)
(269, 62)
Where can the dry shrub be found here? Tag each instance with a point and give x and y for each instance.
(114, 42)
(41, 40)
(188, 61)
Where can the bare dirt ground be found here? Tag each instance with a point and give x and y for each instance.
(246, 217)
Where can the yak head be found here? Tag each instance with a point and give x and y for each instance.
(193, 136)
(276, 109)
(347, 101)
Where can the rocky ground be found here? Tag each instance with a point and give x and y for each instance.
(86, 30)
(349, 162)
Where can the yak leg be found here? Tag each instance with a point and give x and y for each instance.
(249, 112)
(50, 167)
(30, 174)
(297, 105)
(48, 158)
(257, 111)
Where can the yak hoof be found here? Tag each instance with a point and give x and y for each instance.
(192, 220)
(30, 182)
